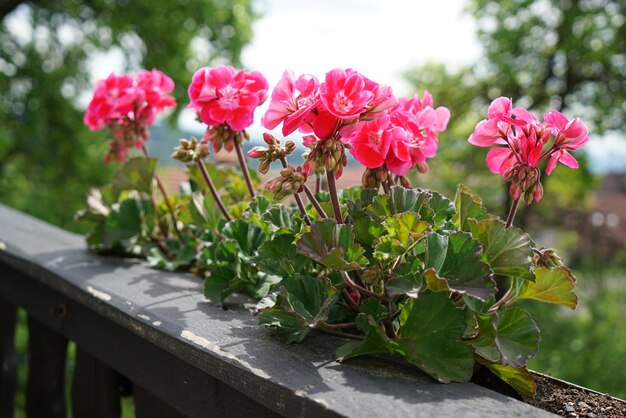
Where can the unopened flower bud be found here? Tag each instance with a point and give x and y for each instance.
(264, 166)
(257, 152)
(290, 147)
(270, 139)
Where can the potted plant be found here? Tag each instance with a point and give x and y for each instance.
(394, 269)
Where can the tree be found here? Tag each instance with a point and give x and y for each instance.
(48, 159)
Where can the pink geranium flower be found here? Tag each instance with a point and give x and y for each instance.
(128, 107)
(524, 139)
(344, 94)
(222, 95)
(292, 100)
(371, 142)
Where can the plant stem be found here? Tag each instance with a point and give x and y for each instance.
(512, 212)
(216, 195)
(502, 300)
(314, 202)
(165, 197)
(318, 183)
(360, 289)
(338, 326)
(296, 196)
(339, 333)
(351, 303)
(332, 189)
(385, 187)
(391, 333)
(244, 168)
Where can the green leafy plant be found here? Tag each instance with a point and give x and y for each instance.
(402, 270)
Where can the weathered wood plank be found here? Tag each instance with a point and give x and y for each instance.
(8, 358)
(95, 388)
(165, 317)
(45, 390)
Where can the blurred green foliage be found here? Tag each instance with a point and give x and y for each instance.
(48, 159)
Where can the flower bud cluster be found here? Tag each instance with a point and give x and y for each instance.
(222, 136)
(326, 154)
(290, 181)
(273, 152)
(190, 150)
(547, 258)
(525, 179)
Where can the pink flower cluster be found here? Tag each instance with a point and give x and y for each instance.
(127, 106)
(222, 95)
(347, 106)
(522, 142)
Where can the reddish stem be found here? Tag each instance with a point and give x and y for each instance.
(170, 208)
(314, 202)
(512, 212)
(244, 168)
(332, 189)
(216, 196)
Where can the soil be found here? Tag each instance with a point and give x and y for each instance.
(559, 397)
(571, 401)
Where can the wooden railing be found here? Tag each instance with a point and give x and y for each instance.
(152, 334)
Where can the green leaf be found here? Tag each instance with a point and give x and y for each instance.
(375, 340)
(484, 342)
(374, 308)
(517, 337)
(357, 198)
(281, 219)
(331, 245)
(438, 210)
(366, 230)
(302, 302)
(123, 224)
(507, 250)
(430, 333)
(551, 286)
(249, 236)
(400, 200)
(406, 279)
(519, 379)
(278, 256)
(406, 227)
(184, 254)
(468, 206)
(456, 258)
(434, 282)
(136, 174)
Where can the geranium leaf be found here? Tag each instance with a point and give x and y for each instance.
(434, 282)
(456, 258)
(406, 279)
(331, 245)
(484, 342)
(517, 337)
(278, 256)
(438, 210)
(366, 230)
(135, 174)
(281, 219)
(400, 200)
(519, 379)
(430, 335)
(468, 206)
(507, 250)
(406, 227)
(553, 285)
(375, 341)
(302, 302)
(249, 236)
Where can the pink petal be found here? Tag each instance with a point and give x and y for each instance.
(485, 134)
(567, 159)
(500, 106)
(496, 159)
